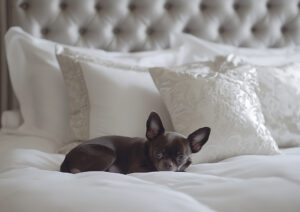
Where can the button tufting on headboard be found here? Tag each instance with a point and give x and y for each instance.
(269, 5)
(117, 31)
(132, 7)
(203, 7)
(136, 25)
(82, 31)
(168, 6)
(24, 6)
(98, 7)
(63, 6)
(45, 31)
(150, 31)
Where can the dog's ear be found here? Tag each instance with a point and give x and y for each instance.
(154, 126)
(198, 138)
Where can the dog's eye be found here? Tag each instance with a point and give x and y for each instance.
(179, 158)
(158, 155)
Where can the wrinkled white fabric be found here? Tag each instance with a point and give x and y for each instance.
(279, 94)
(278, 78)
(197, 49)
(219, 95)
(29, 181)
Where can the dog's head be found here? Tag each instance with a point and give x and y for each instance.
(170, 151)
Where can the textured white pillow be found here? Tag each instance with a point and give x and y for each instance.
(197, 49)
(107, 97)
(279, 94)
(221, 96)
(39, 86)
(278, 79)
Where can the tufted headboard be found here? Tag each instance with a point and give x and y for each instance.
(137, 25)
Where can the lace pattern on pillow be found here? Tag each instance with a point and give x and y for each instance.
(221, 96)
(279, 94)
(78, 97)
(69, 62)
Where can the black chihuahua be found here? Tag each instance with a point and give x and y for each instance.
(161, 151)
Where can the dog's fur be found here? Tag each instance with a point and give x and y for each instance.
(161, 151)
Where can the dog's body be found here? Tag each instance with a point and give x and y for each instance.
(110, 153)
(161, 151)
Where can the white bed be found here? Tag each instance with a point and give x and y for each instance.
(30, 181)
(253, 177)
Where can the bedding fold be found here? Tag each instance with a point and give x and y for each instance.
(29, 181)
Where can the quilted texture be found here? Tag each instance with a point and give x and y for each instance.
(136, 25)
(279, 95)
(221, 96)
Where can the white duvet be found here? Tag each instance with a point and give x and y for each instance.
(29, 181)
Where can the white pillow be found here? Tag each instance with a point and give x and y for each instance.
(107, 97)
(279, 94)
(221, 96)
(278, 79)
(38, 82)
(196, 49)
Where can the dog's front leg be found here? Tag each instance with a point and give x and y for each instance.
(187, 164)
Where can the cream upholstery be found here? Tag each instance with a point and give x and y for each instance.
(135, 25)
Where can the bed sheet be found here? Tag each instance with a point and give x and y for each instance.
(30, 181)
(11, 141)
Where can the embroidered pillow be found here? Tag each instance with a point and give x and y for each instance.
(219, 95)
(107, 97)
(279, 94)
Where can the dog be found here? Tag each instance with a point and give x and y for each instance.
(160, 151)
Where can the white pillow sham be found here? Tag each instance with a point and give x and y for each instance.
(279, 94)
(107, 97)
(196, 49)
(221, 96)
(278, 78)
(39, 86)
